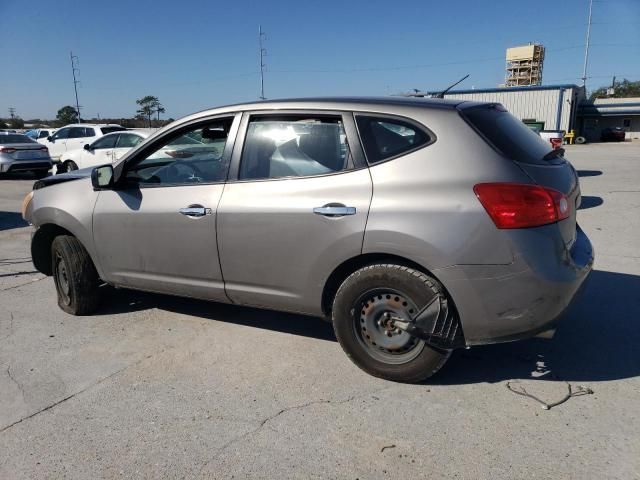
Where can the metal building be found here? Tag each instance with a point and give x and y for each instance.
(610, 112)
(524, 65)
(548, 107)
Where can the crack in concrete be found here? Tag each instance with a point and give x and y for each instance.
(281, 412)
(18, 384)
(22, 284)
(69, 397)
(10, 327)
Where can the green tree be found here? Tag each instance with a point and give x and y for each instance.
(148, 106)
(3, 124)
(623, 89)
(67, 115)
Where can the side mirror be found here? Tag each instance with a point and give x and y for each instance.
(87, 146)
(102, 177)
(50, 138)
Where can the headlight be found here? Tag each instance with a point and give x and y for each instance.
(25, 205)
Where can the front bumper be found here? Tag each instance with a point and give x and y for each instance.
(501, 303)
(25, 165)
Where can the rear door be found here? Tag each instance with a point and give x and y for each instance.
(294, 208)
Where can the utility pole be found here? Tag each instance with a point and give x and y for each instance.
(12, 112)
(586, 47)
(263, 52)
(74, 69)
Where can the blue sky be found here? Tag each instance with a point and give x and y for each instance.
(199, 54)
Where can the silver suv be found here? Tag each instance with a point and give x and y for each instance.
(417, 226)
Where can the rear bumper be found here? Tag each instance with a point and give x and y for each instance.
(25, 165)
(501, 303)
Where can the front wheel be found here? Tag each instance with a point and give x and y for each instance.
(75, 276)
(69, 166)
(361, 310)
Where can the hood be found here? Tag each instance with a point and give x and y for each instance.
(63, 177)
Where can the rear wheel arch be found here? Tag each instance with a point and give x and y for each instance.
(349, 266)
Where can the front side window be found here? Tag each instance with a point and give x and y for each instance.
(294, 146)
(61, 134)
(108, 141)
(384, 137)
(188, 157)
(128, 140)
(43, 134)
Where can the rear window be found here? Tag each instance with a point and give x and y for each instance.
(507, 134)
(106, 130)
(14, 138)
(384, 137)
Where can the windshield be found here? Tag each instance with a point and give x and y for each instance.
(508, 134)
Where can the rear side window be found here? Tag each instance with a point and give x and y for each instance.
(128, 140)
(294, 146)
(507, 134)
(384, 137)
(89, 132)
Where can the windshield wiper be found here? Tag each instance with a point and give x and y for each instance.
(558, 152)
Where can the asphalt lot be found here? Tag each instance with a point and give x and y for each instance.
(159, 387)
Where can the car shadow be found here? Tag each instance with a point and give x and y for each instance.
(589, 173)
(595, 341)
(122, 301)
(587, 201)
(10, 220)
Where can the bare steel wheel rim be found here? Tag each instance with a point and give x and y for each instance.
(375, 330)
(62, 279)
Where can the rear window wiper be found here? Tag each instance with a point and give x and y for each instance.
(558, 152)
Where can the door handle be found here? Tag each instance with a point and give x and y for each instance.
(195, 211)
(334, 210)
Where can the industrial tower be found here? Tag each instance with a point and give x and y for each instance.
(524, 65)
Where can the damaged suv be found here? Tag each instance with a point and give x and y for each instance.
(416, 225)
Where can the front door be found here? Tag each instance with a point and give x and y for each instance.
(294, 209)
(156, 230)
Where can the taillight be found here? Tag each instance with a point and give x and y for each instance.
(514, 205)
(555, 142)
(7, 150)
(43, 148)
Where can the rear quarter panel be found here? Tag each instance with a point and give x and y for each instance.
(424, 207)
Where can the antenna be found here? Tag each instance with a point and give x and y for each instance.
(441, 94)
(263, 51)
(74, 68)
(586, 48)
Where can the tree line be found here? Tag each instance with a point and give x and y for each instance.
(149, 107)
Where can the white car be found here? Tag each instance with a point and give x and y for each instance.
(72, 137)
(111, 147)
(106, 149)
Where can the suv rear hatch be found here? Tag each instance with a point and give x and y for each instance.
(536, 157)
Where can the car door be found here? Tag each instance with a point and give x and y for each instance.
(125, 142)
(79, 137)
(155, 230)
(58, 143)
(100, 152)
(294, 208)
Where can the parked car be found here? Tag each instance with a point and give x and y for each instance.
(75, 136)
(107, 149)
(416, 225)
(37, 133)
(612, 134)
(19, 153)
